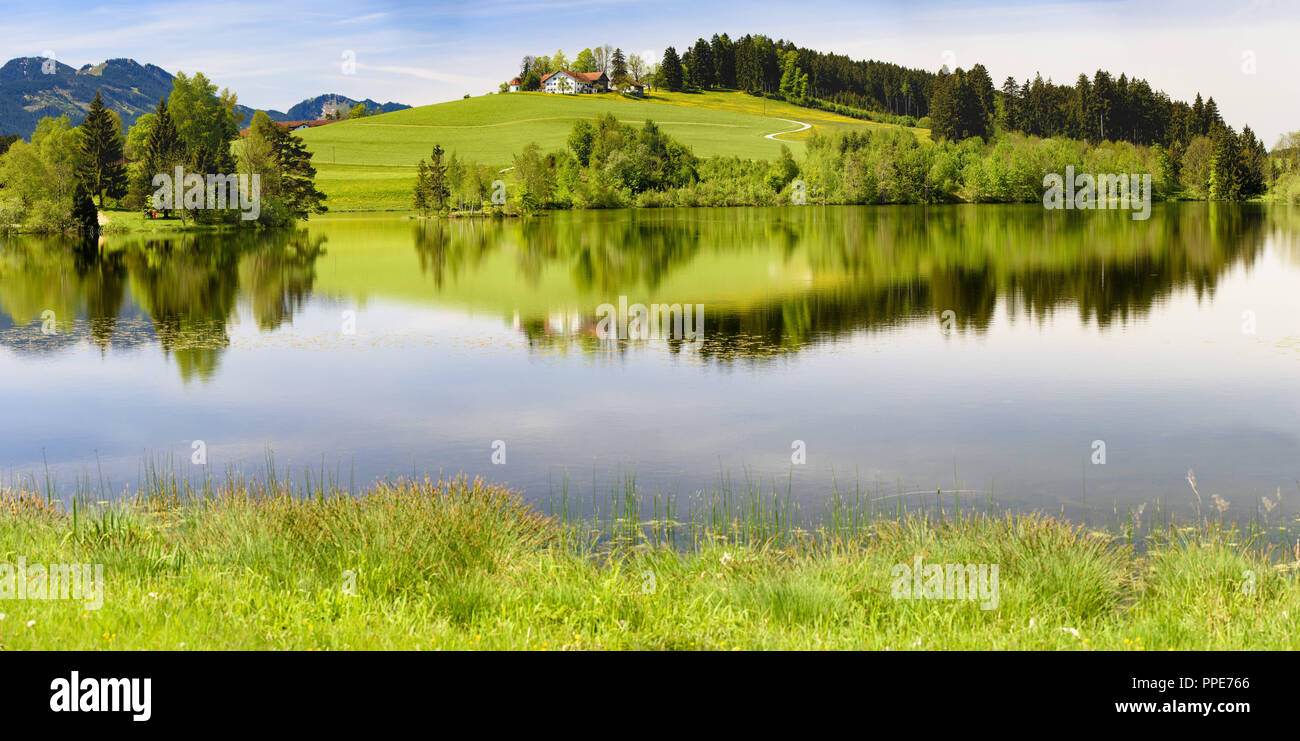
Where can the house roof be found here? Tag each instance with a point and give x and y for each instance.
(579, 76)
(291, 125)
(516, 81)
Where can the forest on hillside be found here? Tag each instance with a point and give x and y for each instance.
(1221, 163)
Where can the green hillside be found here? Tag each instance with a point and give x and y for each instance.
(369, 164)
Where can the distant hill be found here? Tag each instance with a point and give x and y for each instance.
(369, 164)
(28, 94)
(311, 108)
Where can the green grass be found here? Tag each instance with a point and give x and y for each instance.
(119, 220)
(369, 164)
(465, 565)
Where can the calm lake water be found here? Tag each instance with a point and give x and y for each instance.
(374, 346)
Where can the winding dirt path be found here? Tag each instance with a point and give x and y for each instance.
(802, 127)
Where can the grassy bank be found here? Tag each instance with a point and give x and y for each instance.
(124, 221)
(463, 565)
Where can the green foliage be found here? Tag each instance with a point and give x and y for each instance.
(1284, 169)
(84, 214)
(618, 76)
(783, 170)
(202, 118)
(103, 161)
(1225, 182)
(163, 150)
(581, 140)
(435, 181)
(608, 164)
(38, 179)
(794, 82)
(138, 136)
(1196, 166)
(295, 184)
(536, 175)
(420, 194)
(884, 167)
(283, 164)
(959, 110)
(698, 63)
(585, 61)
(671, 70)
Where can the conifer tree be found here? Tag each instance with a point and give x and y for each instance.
(297, 177)
(438, 189)
(421, 192)
(163, 150)
(103, 164)
(671, 69)
(84, 214)
(618, 67)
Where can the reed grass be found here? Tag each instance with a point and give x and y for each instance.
(306, 562)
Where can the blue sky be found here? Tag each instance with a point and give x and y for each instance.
(274, 54)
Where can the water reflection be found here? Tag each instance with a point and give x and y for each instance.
(821, 324)
(774, 281)
(179, 292)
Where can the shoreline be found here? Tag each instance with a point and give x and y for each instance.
(138, 225)
(464, 564)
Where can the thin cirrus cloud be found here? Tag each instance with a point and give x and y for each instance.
(428, 74)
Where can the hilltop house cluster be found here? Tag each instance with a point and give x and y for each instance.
(566, 82)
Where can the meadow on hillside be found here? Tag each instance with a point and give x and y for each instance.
(369, 164)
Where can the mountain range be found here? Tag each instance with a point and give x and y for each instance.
(32, 88)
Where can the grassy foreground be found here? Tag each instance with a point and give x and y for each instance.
(464, 565)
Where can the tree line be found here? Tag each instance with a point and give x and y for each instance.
(1101, 108)
(1192, 143)
(50, 183)
(609, 164)
(619, 67)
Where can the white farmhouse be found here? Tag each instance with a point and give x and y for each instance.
(565, 81)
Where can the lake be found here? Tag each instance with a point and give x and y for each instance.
(1058, 361)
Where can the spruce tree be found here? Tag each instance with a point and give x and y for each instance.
(618, 66)
(163, 151)
(1225, 178)
(438, 190)
(84, 214)
(421, 192)
(702, 66)
(671, 68)
(297, 178)
(103, 167)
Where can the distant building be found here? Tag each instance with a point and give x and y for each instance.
(296, 125)
(565, 81)
(632, 87)
(514, 85)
